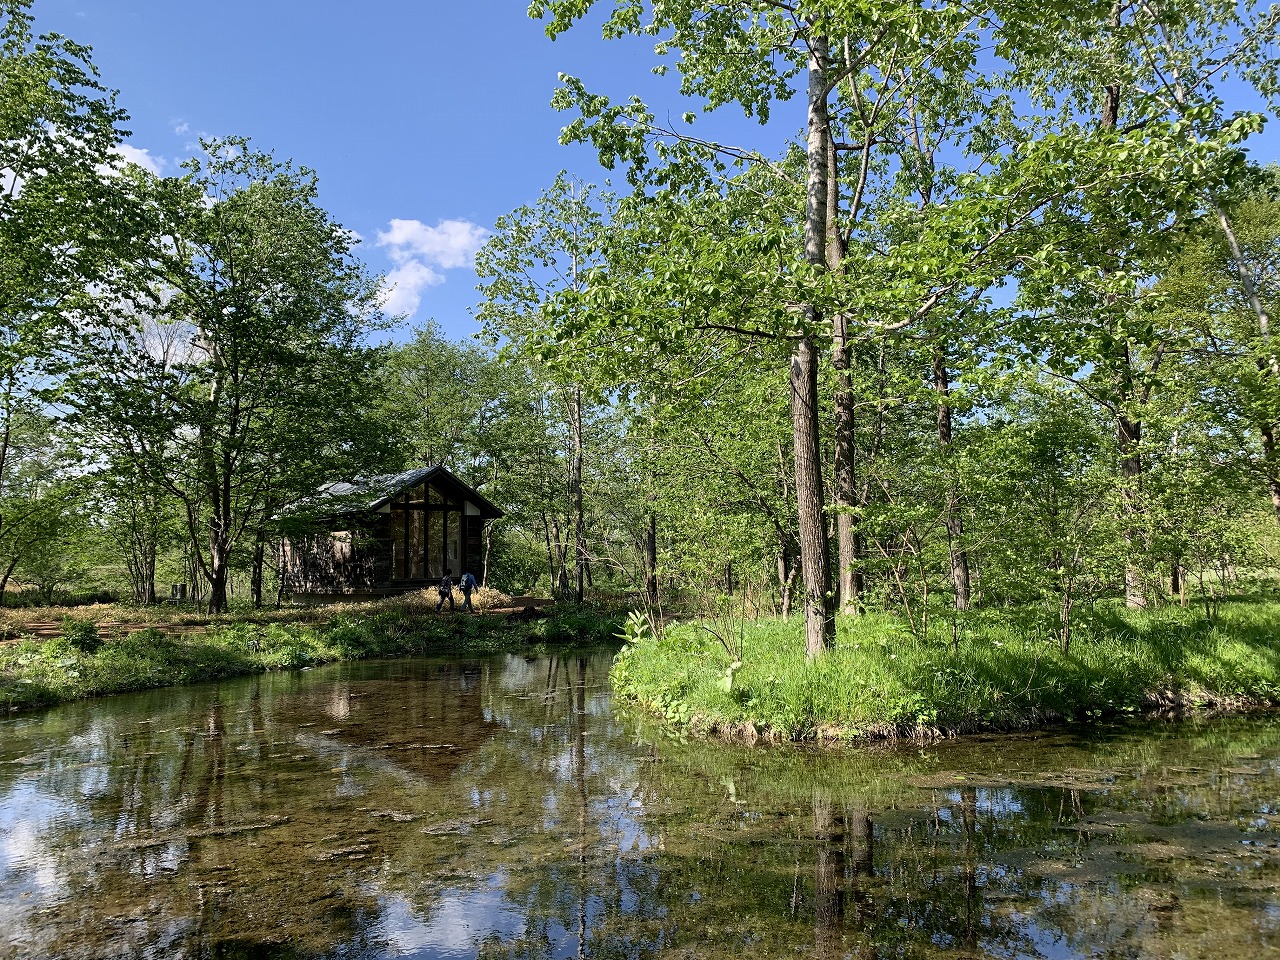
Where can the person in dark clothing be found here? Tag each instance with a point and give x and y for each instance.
(467, 583)
(446, 591)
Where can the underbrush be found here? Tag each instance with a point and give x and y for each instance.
(1006, 671)
(86, 660)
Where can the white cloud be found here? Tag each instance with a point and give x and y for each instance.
(141, 157)
(421, 254)
(449, 244)
(403, 286)
(179, 127)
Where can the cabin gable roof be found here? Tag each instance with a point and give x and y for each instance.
(374, 493)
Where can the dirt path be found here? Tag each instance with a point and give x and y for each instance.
(46, 629)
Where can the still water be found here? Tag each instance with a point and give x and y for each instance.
(502, 808)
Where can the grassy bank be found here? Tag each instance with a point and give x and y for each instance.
(89, 658)
(1006, 671)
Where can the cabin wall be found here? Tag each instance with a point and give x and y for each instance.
(338, 561)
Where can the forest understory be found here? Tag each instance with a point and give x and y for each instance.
(1008, 669)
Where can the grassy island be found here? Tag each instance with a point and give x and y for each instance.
(1004, 670)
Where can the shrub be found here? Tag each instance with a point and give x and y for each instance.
(81, 634)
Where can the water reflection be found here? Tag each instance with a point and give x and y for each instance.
(501, 809)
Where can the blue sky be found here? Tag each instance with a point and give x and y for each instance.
(425, 120)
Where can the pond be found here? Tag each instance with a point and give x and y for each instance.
(503, 808)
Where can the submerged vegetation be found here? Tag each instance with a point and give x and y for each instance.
(1008, 671)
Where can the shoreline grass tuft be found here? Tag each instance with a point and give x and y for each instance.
(1006, 672)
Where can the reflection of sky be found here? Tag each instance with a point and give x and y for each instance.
(462, 921)
(25, 812)
(28, 872)
(458, 923)
(1000, 803)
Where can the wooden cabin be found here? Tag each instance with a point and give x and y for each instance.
(386, 535)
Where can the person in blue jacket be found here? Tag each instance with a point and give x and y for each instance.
(468, 583)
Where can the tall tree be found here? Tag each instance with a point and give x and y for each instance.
(64, 226)
(535, 269)
(264, 387)
(924, 182)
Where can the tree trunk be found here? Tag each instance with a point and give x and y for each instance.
(786, 575)
(651, 561)
(148, 573)
(845, 472)
(575, 492)
(218, 570)
(255, 575)
(142, 557)
(1128, 438)
(810, 499)
(818, 621)
(1250, 289)
(787, 548)
(220, 548)
(1272, 461)
(557, 572)
(280, 579)
(488, 549)
(4, 578)
(845, 466)
(951, 518)
(1128, 432)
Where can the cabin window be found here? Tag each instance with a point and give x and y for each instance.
(435, 544)
(427, 535)
(455, 541)
(417, 544)
(398, 519)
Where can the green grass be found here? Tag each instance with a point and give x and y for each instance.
(82, 662)
(1006, 672)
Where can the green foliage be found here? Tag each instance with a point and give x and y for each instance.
(575, 625)
(879, 680)
(81, 634)
(1057, 169)
(249, 348)
(636, 629)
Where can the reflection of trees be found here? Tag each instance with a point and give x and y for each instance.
(843, 864)
(211, 833)
(290, 811)
(579, 891)
(1023, 852)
